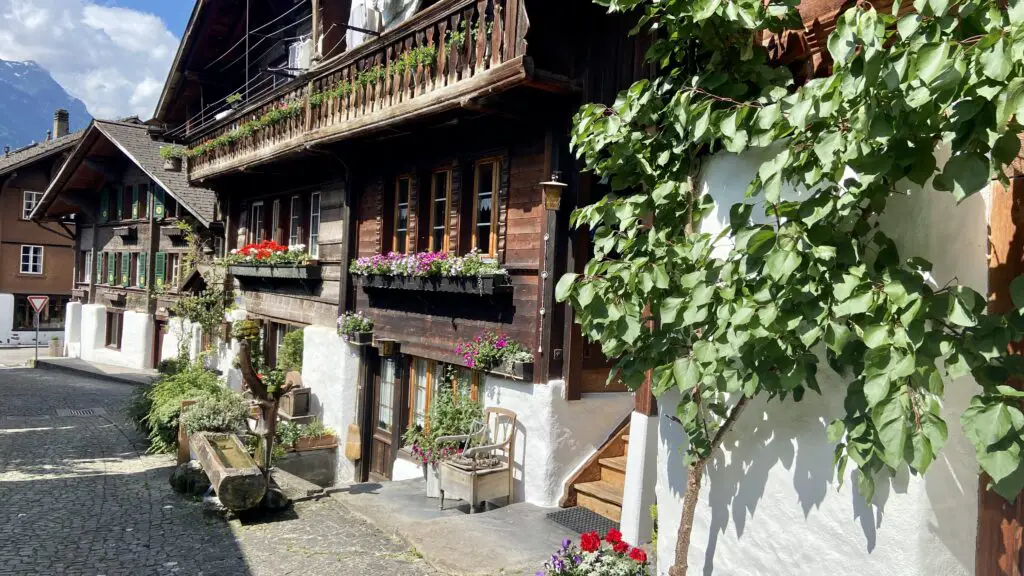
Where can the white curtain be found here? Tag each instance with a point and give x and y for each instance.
(357, 18)
(394, 12)
(398, 11)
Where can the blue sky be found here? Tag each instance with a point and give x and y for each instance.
(111, 54)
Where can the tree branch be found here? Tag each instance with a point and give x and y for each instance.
(730, 421)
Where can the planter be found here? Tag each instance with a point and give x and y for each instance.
(321, 443)
(115, 298)
(172, 232)
(56, 350)
(358, 338)
(126, 232)
(482, 285)
(172, 164)
(295, 403)
(433, 478)
(515, 371)
(308, 272)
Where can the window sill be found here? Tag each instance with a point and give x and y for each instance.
(112, 347)
(30, 275)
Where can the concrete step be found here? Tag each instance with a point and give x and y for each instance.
(600, 497)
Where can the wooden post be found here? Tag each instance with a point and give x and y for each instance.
(1000, 532)
(183, 448)
(315, 27)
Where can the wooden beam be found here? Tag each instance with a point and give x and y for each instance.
(1000, 531)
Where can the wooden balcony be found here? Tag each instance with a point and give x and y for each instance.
(438, 60)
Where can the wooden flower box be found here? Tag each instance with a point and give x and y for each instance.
(126, 232)
(358, 338)
(321, 443)
(483, 285)
(307, 272)
(295, 403)
(516, 371)
(172, 232)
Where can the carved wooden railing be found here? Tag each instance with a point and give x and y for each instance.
(414, 66)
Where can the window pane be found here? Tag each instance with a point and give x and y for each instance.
(403, 191)
(314, 225)
(387, 390)
(400, 241)
(439, 213)
(293, 234)
(486, 178)
(420, 397)
(484, 206)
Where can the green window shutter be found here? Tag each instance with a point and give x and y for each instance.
(142, 269)
(158, 203)
(135, 202)
(126, 269)
(119, 203)
(161, 268)
(98, 279)
(111, 268)
(104, 206)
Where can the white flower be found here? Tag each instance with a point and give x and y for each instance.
(297, 248)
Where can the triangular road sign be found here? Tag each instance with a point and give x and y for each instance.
(39, 303)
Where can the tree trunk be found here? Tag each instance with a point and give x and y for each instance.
(690, 499)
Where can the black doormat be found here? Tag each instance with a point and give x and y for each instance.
(581, 520)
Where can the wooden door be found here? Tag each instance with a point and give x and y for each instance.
(384, 417)
(158, 341)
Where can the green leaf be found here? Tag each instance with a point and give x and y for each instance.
(877, 335)
(908, 25)
(967, 173)
(960, 313)
(782, 263)
(865, 485)
(835, 431)
(1017, 292)
(686, 373)
(564, 287)
(996, 62)
(891, 421)
(1006, 148)
(858, 304)
(931, 60)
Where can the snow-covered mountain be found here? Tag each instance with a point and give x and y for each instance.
(28, 98)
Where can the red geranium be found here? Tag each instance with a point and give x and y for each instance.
(620, 547)
(613, 537)
(590, 542)
(638, 555)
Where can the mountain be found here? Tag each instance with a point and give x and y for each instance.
(28, 98)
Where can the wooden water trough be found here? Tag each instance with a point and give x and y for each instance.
(234, 475)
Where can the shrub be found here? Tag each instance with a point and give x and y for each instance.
(291, 352)
(169, 366)
(225, 412)
(193, 382)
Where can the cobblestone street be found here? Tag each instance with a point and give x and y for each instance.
(79, 496)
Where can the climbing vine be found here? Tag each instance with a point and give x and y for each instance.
(803, 272)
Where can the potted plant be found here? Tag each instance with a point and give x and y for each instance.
(316, 436)
(355, 328)
(55, 348)
(491, 351)
(452, 414)
(234, 100)
(432, 272)
(172, 156)
(594, 555)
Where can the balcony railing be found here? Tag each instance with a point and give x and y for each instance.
(432, 62)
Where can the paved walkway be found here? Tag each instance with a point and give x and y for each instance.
(78, 498)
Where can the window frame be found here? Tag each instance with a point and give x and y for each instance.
(314, 229)
(256, 234)
(295, 220)
(410, 243)
(114, 338)
(446, 238)
(26, 211)
(275, 218)
(495, 161)
(389, 387)
(42, 259)
(87, 267)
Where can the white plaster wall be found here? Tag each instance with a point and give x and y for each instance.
(73, 329)
(227, 352)
(330, 369)
(178, 329)
(136, 338)
(555, 437)
(769, 504)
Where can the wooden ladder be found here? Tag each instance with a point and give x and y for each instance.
(598, 485)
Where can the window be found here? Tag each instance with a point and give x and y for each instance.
(140, 268)
(275, 220)
(115, 328)
(31, 259)
(430, 378)
(85, 275)
(100, 261)
(296, 221)
(29, 201)
(143, 192)
(256, 232)
(314, 225)
(174, 270)
(126, 269)
(299, 53)
(52, 318)
(218, 247)
(467, 383)
(400, 241)
(420, 392)
(440, 196)
(485, 215)
(387, 391)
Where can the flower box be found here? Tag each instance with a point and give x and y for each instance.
(116, 298)
(358, 338)
(126, 232)
(295, 403)
(515, 371)
(307, 272)
(306, 444)
(482, 285)
(172, 232)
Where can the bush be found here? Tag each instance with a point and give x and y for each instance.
(221, 413)
(169, 366)
(291, 352)
(161, 422)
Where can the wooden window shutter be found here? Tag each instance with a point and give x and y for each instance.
(161, 269)
(135, 202)
(126, 269)
(104, 206)
(118, 204)
(158, 203)
(142, 269)
(99, 267)
(111, 268)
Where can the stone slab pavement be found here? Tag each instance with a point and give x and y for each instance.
(78, 497)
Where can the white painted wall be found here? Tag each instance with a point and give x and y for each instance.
(73, 330)
(769, 504)
(555, 437)
(177, 330)
(136, 339)
(330, 369)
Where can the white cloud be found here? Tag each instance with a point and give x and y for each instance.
(113, 59)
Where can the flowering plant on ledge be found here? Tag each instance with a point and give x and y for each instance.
(592, 558)
(489, 350)
(426, 264)
(267, 253)
(350, 324)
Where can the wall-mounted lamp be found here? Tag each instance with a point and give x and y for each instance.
(553, 192)
(387, 347)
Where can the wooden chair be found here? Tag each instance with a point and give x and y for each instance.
(495, 436)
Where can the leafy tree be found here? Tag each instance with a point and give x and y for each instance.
(752, 311)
